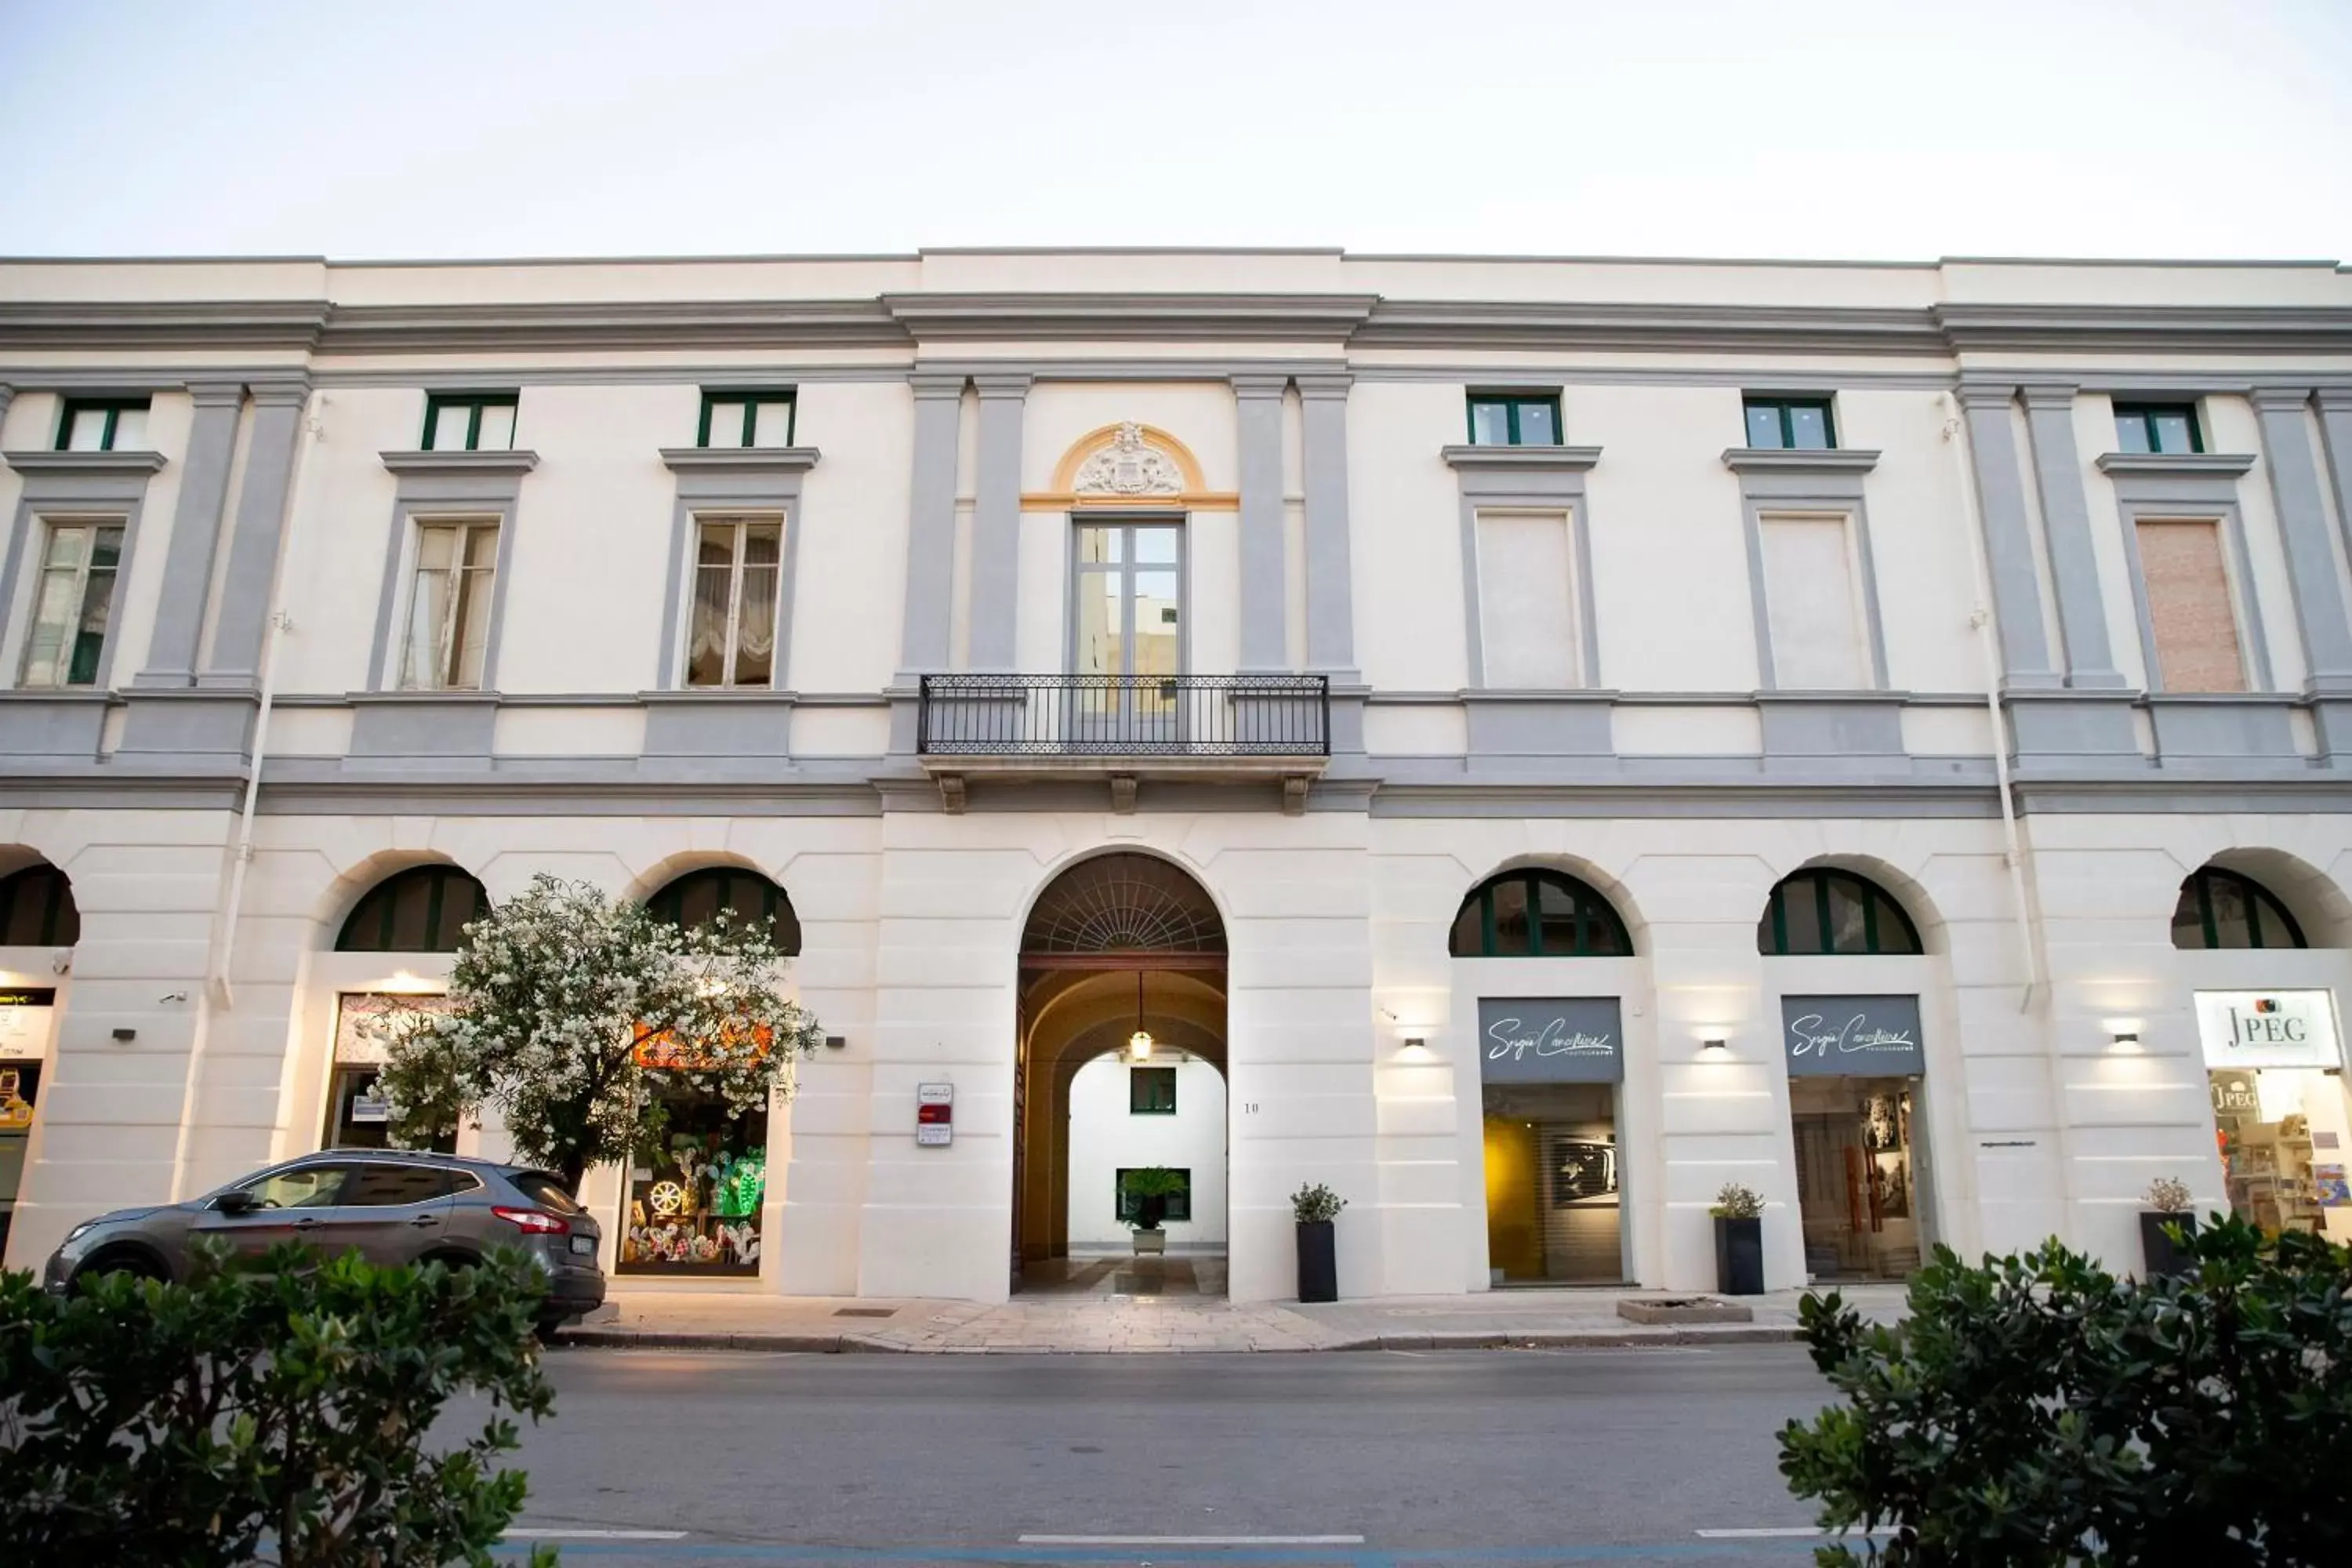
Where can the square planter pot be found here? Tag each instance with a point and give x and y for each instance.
(1154, 1240)
(1739, 1257)
(2163, 1258)
(1318, 1261)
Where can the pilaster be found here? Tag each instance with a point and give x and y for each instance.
(996, 521)
(252, 571)
(195, 537)
(1265, 590)
(930, 525)
(2302, 507)
(2008, 537)
(1331, 579)
(2066, 531)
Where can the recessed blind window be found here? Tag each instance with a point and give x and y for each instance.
(72, 603)
(2195, 630)
(103, 426)
(1812, 604)
(737, 564)
(449, 607)
(1528, 635)
(469, 423)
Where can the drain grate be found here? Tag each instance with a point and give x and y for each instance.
(865, 1311)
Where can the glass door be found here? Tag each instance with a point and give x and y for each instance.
(1127, 623)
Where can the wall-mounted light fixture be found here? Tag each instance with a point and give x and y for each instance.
(126, 1033)
(2127, 1037)
(1715, 1048)
(1415, 1043)
(836, 1042)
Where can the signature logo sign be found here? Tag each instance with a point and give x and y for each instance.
(1558, 1039)
(1854, 1036)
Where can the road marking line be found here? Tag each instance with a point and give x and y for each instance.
(1779, 1531)
(1191, 1541)
(594, 1535)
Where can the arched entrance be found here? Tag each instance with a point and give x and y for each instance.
(1119, 945)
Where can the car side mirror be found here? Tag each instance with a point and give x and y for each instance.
(236, 1200)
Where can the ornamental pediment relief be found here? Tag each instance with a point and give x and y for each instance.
(1126, 463)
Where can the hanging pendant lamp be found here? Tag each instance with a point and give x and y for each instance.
(1138, 1043)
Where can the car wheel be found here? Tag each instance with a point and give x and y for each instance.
(127, 1260)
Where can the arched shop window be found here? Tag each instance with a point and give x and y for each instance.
(695, 897)
(422, 910)
(1823, 910)
(2223, 909)
(37, 908)
(1538, 914)
(693, 1203)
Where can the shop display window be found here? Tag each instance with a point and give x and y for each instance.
(1554, 1184)
(2285, 1140)
(1856, 1185)
(694, 1206)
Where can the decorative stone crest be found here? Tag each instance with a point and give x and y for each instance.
(1129, 467)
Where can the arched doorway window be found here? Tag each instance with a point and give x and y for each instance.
(693, 1206)
(2221, 908)
(1823, 910)
(1536, 913)
(692, 899)
(425, 909)
(37, 908)
(1120, 949)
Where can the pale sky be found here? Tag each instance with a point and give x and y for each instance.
(1803, 128)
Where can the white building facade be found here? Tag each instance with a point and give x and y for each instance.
(1555, 736)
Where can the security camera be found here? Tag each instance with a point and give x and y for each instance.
(61, 961)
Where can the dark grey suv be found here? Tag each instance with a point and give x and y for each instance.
(394, 1205)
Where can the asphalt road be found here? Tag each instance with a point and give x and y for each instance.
(659, 1459)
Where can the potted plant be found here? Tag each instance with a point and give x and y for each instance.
(1315, 1208)
(2168, 1206)
(1147, 1192)
(1738, 1214)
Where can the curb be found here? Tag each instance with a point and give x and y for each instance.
(857, 1344)
(1757, 1334)
(669, 1340)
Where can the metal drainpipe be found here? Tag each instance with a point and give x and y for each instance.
(217, 994)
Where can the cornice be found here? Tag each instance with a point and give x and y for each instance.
(1111, 317)
(663, 324)
(472, 464)
(113, 464)
(2176, 465)
(2235, 328)
(155, 324)
(1549, 324)
(1784, 460)
(1520, 459)
(743, 460)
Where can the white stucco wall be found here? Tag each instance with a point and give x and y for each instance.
(1106, 1138)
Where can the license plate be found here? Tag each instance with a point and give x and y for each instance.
(585, 1245)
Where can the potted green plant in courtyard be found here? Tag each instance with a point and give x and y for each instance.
(1147, 1193)
(1738, 1214)
(1315, 1208)
(2168, 1208)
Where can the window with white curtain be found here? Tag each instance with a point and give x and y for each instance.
(449, 605)
(731, 635)
(1813, 598)
(72, 602)
(1528, 635)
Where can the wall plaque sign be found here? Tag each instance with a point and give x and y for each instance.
(1550, 1039)
(1853, 1037)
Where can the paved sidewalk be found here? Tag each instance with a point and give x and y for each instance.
(1168, 1324)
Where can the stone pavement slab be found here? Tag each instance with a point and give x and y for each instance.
(1031, 1325)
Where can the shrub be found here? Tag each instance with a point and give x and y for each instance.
(2167, 1195)
(2038, 1411)
(145, 1422)
(1736, 1202)
(1317, 1204)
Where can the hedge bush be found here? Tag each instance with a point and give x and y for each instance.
(2039, 1411)
(279, 1414)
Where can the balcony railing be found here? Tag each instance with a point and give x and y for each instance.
(1125, 716)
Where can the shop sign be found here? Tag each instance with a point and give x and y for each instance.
(364, 1019)
(26, 1013)
(1550, 1039)
(664, 1051)
(2268, 1029)
(1853, 1037)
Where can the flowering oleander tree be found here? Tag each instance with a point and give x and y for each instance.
(570, 1012)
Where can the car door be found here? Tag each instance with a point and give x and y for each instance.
(393, 1211)
(290, 1203)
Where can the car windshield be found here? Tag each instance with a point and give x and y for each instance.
(546, 1191)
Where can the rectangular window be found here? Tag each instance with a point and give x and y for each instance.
(1528, 635)
(1813, 603)
(731, 640)
(470, 421)
(2189, 605)
(733, 418)
(72, 602)
(1151, 1091)
(1791, 423)
(449, 607)
(2152, 427)
(103, 425)
(1514, 421)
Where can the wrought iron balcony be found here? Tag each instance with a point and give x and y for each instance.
(1280, 723)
